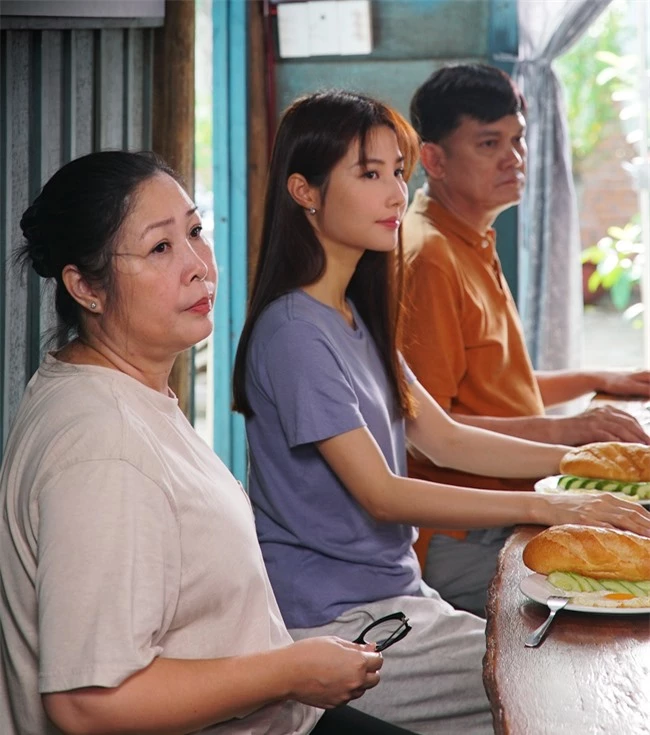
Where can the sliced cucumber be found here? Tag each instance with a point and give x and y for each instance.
(582, 583)
(640, 490)
(613, 585)
(633, 588)
(563, 581)
(572, 582)
(593, 583)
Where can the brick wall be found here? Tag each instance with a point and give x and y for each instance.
(605, 193)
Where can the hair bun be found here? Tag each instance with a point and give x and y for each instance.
(37, 248)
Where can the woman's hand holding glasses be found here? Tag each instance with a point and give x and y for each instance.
(330, 671)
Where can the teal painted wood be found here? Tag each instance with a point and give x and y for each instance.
(391, 81)
(423, 29)
(503, 44)
(503, 33)
(230, 220)
(411, 38)
(429, 29)
(238, 208)
(63, 93)
(221, 343)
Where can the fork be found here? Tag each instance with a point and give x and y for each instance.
(554, 603)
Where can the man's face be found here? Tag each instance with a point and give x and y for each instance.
(484, 164)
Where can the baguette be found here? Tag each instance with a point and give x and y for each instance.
(601, 553)
(608, 461)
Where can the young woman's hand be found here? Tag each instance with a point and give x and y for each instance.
(330, 671)
(604, 510)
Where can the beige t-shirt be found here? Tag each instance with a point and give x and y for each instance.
(123, 537)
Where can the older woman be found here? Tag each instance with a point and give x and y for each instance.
(134, 595)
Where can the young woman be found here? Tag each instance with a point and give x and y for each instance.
(330, 406)
(134, 595)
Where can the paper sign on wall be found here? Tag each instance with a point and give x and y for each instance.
(324, 28)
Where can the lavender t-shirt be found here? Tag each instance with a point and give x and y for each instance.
(310, 376)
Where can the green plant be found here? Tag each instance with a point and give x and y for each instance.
(618, 259)
(621, 76)
(589, 106)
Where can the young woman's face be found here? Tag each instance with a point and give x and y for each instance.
(364, 202)
(165, 274)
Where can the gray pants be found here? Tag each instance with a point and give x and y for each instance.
(431, 681)
(461, 570)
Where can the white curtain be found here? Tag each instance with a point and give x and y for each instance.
(550, 290)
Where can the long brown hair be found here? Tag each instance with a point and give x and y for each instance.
(315, 133)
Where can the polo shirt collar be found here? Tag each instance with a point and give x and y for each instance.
(448, 223)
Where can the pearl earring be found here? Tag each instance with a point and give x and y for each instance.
(312, 210)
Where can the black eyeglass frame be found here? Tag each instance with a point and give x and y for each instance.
(400, 632)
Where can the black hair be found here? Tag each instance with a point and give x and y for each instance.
(478, 91)
(76, 218)
(315, 133)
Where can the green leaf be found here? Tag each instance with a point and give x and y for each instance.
(606, 76)
(594, 282)
(609, 57)
(592, 254)
(621, 291)
(617, 233)
(609, 266)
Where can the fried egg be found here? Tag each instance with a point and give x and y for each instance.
(606, 598)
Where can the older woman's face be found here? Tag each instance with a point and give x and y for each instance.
(165, 274)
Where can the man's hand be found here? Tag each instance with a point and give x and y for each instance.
(618, 383)
(603, 424)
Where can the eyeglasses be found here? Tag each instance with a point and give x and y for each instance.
(385, 631)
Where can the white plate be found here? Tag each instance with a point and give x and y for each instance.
(537, 588)
(548, 486)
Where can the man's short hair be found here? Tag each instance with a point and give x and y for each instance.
(478, 91)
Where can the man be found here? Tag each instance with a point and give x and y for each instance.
(464, 339)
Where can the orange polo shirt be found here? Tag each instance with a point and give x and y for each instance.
(463, 336)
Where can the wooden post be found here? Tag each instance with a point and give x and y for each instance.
(173, 129)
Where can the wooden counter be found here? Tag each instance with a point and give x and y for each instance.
(591, 675)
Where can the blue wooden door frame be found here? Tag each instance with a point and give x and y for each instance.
(503, 45)
(230, 130)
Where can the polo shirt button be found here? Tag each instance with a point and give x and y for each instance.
(485, 243)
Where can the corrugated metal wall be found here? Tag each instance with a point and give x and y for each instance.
(63, 93)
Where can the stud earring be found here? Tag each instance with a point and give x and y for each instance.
(312, 210)
(93, 305)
